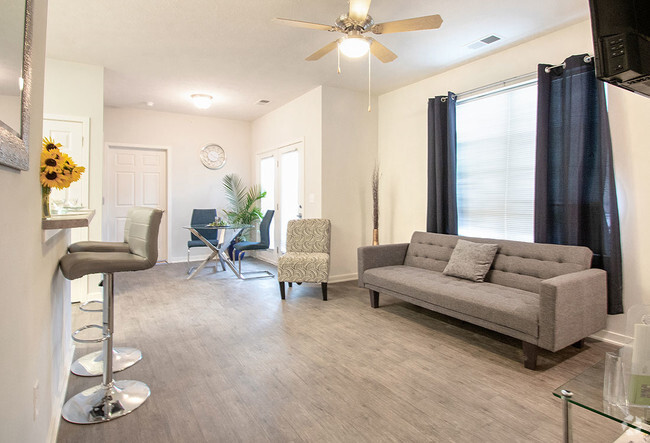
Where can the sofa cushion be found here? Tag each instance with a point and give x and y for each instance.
(509, 307)
(471, 261)
(517, 264)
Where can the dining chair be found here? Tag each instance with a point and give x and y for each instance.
(201, 217)
(239, 249)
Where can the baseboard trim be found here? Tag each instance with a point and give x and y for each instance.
(342, 277)
(193, 258)
(611, 337)
(59, 400)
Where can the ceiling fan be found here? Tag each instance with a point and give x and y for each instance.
(356, 23)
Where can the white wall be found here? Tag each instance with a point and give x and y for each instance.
(35, 315)
(628, 118)
(349, 157)
(77, 90)
(298, 120)
(403, 146)
(192, 184)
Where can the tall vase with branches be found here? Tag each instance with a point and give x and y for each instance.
(375, 205)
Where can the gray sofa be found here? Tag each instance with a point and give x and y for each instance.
(545, 295)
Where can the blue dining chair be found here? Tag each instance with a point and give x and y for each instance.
(239, 249)
(202, 217)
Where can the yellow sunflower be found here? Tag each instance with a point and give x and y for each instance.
(76, 173)
(49, 161)
(48, 144)
(52, 179)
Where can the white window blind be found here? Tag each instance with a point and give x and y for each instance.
(496, 164)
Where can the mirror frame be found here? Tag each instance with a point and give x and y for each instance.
(14, 150)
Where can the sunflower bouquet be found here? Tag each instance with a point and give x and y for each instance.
(58, 170)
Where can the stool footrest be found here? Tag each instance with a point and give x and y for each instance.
(104, 337)
(83, 306)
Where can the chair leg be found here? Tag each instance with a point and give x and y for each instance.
(111, 399)
(291, 284)
(281, 289)
(323, 286)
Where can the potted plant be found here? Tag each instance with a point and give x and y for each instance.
(243, 206)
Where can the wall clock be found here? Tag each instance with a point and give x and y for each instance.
(213, 156)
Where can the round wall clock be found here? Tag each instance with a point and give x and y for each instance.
(213, 156)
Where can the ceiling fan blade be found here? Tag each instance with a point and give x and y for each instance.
(411, 24)
(381, 52)
(322, 51)
(308, 25)
(359, 10)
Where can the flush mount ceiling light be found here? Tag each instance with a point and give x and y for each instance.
(202, 101)
(354, 46)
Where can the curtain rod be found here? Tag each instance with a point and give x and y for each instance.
(501, 83)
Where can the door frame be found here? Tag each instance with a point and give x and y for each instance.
(87, 281)
(276, 152)
(168, 152)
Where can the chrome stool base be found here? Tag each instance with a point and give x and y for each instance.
(91, 365)
(104, 403)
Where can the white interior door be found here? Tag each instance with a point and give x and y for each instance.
(281, 176)
(135, 177)
(71, 132)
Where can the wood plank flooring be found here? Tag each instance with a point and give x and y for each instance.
(228, 361)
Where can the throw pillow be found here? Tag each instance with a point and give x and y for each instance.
(471, 261)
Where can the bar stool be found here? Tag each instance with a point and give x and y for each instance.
(112, 399)
(92, 364)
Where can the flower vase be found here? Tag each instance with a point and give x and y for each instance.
(45, 201)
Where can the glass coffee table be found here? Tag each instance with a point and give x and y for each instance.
(586, 391)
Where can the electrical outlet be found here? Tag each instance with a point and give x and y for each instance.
(35, 397)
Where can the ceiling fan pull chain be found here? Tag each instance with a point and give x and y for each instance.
(369, 95)
(338, 58)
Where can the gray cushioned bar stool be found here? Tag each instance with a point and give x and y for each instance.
(112, 399)
(92, 364)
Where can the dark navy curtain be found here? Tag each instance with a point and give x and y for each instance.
(575, 193)
(442, 213)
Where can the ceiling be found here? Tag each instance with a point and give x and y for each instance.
(162, 51)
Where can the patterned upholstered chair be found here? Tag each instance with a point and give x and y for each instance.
(308, 254)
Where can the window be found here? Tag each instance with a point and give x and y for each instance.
(496, 163)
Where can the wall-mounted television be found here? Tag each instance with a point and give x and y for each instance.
(621, 31)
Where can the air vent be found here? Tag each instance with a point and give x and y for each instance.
(263, 102)
(484, 42)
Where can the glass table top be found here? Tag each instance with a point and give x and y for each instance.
(587, 389)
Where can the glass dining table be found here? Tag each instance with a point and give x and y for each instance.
(219, 251)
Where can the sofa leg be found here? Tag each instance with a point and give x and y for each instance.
(323, 286)
(530, 355)
(290, 284)
(374, 299)
(281, 289)
(579, 344)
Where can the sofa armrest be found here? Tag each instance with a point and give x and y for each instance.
(572, 306)
(369, 257)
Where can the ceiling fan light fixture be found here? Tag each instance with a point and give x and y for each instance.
(354, 46)
(202, 101)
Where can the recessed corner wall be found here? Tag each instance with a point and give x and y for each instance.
(191, 184)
